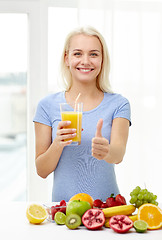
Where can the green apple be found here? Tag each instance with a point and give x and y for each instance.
(77, 207)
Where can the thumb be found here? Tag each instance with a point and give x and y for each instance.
(99, 128)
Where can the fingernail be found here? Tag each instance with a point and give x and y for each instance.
(68, 122)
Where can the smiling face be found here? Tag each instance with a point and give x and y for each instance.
(84, 58)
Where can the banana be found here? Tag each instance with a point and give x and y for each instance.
(119, 210)
(132, 217)
(107, 222)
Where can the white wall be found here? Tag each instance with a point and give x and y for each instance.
(140, 82)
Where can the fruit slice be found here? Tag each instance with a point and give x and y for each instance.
(119, 210)
(36, 213)
(140, 226)
(132, 217)
(60, 218)
(82, 197)
(93, 219)
(120, 223)
(73, 221)
(150, 213)
(58, 208)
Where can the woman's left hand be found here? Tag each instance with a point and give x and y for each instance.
(100, 145)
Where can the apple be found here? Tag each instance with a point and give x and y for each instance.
(77, 207)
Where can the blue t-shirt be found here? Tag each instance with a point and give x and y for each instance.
(77, 171)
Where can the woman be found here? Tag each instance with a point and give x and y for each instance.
(88, 167)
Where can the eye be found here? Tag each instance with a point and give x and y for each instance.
(94, 54)
(77, 54)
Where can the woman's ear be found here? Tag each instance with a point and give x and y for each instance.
(66, 58)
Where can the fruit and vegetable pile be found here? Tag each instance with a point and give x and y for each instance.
(114, 213)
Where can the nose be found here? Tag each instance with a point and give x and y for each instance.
(85, 59)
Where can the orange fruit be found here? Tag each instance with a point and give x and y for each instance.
(151, 214)
(83, 197)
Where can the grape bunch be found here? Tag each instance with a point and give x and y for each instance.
(140, 196)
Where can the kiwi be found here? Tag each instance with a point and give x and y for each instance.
(73, 221)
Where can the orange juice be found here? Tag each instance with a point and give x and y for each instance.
(76, 122)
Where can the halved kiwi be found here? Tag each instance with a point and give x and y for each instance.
(73, 221)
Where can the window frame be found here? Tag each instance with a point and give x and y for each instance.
(37, 80)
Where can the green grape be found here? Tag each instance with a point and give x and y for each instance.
(133, 199)
(156, 203)
(145, 191)
(154, 197)
(152, 201)
(136, 190)
(131, 194)
(145, 197)
(140, 196)
(138, 203)
(142, 191)
(149, 197)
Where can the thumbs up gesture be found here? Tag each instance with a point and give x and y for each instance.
(100, 145)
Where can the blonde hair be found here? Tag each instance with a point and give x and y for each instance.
(103, 77)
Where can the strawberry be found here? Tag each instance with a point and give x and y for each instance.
(63, 209)
(111, 202)
(104, 205)
(58, 208)
(62, 203)
(53, 211)
(120, 199)
(97, 203)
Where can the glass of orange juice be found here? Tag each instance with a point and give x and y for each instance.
(73, 113)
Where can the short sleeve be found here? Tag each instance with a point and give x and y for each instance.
(42, 113)
(123, 111)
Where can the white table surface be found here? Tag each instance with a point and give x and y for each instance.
(14, 225)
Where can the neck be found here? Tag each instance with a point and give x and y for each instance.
(91, 96)
(88, 90)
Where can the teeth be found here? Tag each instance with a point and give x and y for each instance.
(85, 70)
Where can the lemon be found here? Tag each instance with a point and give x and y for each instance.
(36, 213)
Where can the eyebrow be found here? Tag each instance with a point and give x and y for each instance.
(95, 50)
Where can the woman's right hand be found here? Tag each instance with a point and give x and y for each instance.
(64, 135)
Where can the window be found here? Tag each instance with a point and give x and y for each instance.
(13, 87)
